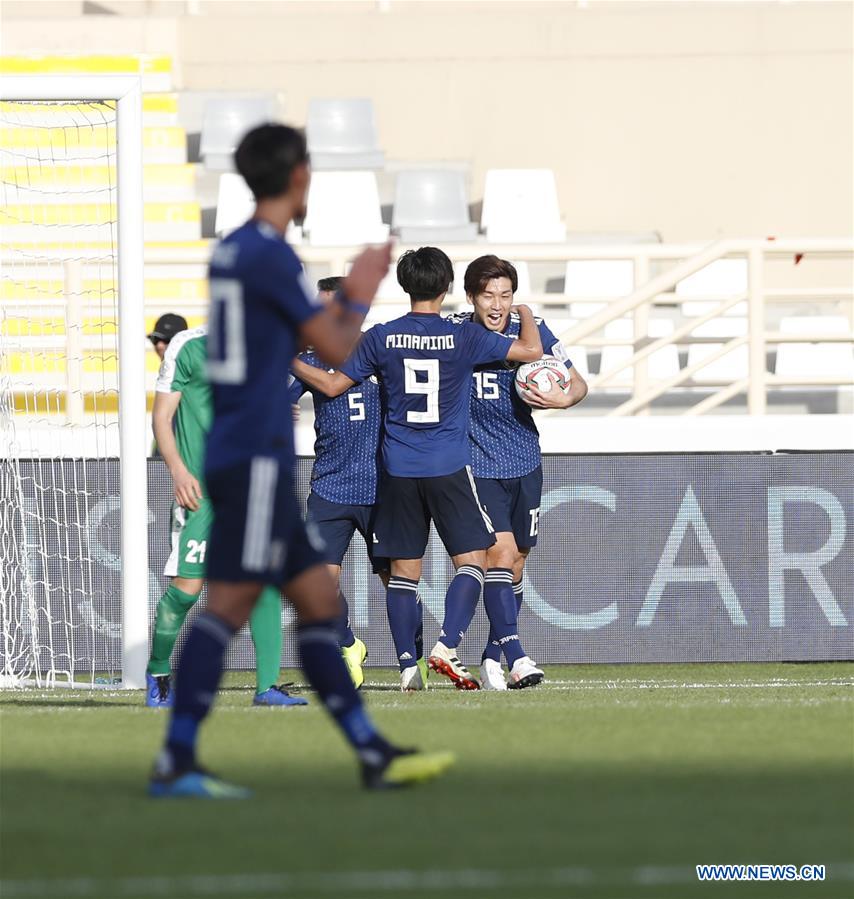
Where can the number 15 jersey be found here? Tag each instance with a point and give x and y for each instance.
(424, 364)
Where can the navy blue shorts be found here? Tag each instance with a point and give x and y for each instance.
(513, 504)
(337, 522)
(258, 533)
(406, 506)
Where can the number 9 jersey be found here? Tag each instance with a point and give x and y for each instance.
(424, 364)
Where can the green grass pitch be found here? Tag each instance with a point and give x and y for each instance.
(608, 781)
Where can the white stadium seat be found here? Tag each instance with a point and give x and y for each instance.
(605, 278)
(521, 206)
(834, 360)
(344, 209)
(342, 135)
(432, 206)
(235, 204)
(226, 120)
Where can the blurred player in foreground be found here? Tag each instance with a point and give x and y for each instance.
(506, 462)
(424, 363)
(261, 310)
(182, 418)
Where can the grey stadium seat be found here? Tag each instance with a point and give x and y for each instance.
(225, 122)
(342, 135)
(432, 206)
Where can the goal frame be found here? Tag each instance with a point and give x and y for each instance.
(126, 91)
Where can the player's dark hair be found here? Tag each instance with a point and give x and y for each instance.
(332, 283)
(267, 156)
(483, 270)
(425, 273)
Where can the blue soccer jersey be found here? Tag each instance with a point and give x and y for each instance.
(424, 364)
(505, 442)
(259, 298)
(346, 447)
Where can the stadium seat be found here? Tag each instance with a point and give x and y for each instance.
(734, 364)
(592, 278)
(235, 204)
(431, 206)
(342, 135)
(521, 206)
(344, 209)
(833, 360)
(707, 288)
(226, 120)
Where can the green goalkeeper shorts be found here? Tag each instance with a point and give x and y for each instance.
(190, 533)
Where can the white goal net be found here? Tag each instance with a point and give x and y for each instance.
(61, 581)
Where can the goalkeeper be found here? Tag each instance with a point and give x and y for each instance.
(182, 418)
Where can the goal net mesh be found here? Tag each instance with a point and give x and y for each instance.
(60, 605)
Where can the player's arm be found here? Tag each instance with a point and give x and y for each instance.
(328, 383)
(188, 491)
(334, 330)
(527, 347)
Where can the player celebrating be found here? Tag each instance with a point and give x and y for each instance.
(424, 364)
(261, 309)
(182, 418)
(506, 465)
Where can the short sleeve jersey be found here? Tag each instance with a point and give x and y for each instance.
(346, 448)
(505, 442)
(183, 370)
(424, 364)
(259, 299)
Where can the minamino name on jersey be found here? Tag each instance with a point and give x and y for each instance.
(420, 341)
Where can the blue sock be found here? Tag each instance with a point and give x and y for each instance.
(460, 604)
(196, 682)
(501, 609)
(517, 592)
(326, 672)
(419, 632)
(404, 614)
(346, 635)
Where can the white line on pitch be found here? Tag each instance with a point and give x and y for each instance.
(364, 881)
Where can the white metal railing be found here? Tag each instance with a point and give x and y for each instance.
(675, 262)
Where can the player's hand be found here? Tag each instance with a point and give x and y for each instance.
(554, 399)
(369, 268)
(521, 309)
(188, 491)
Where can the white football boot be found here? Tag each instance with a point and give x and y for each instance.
(412, 679)
(444, 661)
(524, 673)
(492, 675)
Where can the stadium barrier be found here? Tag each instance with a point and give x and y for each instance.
(641, 558)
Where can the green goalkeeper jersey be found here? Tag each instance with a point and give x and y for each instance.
(183, 369)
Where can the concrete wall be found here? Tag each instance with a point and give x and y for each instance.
(694, 119)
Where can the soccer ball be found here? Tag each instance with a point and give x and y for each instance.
(547, 374)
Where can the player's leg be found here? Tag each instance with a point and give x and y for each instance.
(525, 517)
(186, 570)
(242, 550)
(265, 625)
(312, 591)
(402, 528)
(466, 532)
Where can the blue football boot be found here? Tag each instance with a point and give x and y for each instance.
(158, 691)
(195, 784)
(278, 696)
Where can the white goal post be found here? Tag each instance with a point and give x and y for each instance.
(126, 93)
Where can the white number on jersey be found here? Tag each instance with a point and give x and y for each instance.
(486, 385)
(357, 406)
(226, 337)
(196, 551)
(535, 521)
(428, 388)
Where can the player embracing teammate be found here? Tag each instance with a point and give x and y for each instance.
(506, 463)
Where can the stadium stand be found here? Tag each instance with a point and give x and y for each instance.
(226, 120)
(432, 207)
(344, 209)
(521, 206)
